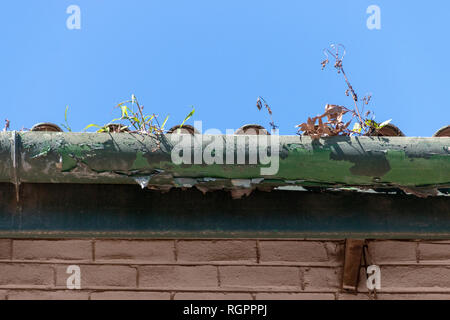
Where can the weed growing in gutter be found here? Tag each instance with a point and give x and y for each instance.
(334, 125)
(7, 123)
(259, 104)
(66, 123)
(137, 122)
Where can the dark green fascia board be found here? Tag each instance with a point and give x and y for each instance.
(126, 211)
(125, 158)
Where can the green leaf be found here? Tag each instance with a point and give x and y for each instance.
(124, 111)
(136, 119)
(122, 103)
(114, 120)
(357, 128)
(65, 113)
(164, 123)
(92, 125)
(188, 116)
(65, 119)
(372, 124)
(149, 116)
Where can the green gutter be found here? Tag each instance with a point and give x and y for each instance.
(100, 158)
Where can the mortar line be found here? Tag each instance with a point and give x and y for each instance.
(175, 249)
(258, 251)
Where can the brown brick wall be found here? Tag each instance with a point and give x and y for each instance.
(216, 269)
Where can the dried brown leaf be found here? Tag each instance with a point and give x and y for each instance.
(259, 104)
(268, 108)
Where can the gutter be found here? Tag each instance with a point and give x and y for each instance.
(125, 158)
(65, 185)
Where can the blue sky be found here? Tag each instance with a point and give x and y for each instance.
(219, 56)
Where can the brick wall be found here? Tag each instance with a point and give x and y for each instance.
(216, 269)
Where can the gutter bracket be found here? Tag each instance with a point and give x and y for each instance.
(352, 264)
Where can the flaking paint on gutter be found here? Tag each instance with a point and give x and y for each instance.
(101, 158)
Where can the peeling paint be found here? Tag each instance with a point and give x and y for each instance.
(338, 162)
(71, 154)
(140, 162)
(185, 182)
(291, 188)
(240, 193)
(68, 163)
(42, 153)
(142, 181)
(417, 171)
(244, 183)
(25, 165)
(257, 180)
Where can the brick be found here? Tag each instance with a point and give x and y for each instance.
(260, 277)
(48, 295)
(434, 252)
(212, 296)
(439, 241)
(292, 251)
(5, 249)
(52, 250)
(362, 285)
(418, 296)
(392, 251)
(135, 250)
(420, 278)
(335, 251)
(100, 276)
(349, 296)
(395, 296)
(295, 296)
(217, 251)
(26, 275)
(322, 279)
(177, 276)
(130, 295)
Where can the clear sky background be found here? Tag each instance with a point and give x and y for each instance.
(219, 56)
